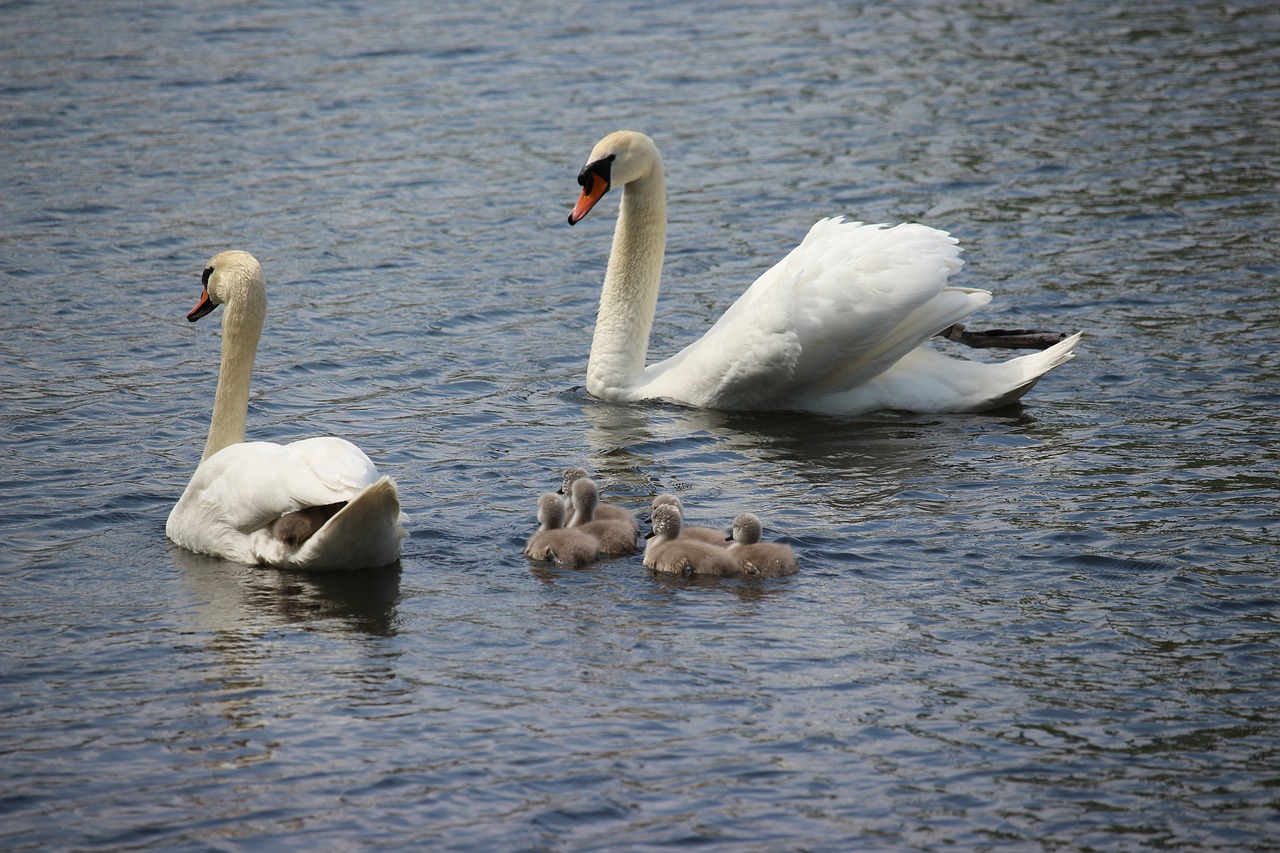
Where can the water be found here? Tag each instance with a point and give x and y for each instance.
(1052, 627)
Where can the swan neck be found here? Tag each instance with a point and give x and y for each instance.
(241, 329)
(630, 292)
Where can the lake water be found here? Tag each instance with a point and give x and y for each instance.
(1052, 627)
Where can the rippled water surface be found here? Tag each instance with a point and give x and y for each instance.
(1051, 627)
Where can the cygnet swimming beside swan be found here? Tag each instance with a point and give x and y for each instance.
(604, 511)
(707, 535)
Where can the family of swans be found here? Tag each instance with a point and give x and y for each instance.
(838, 326)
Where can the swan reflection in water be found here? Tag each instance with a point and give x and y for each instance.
(235, 598)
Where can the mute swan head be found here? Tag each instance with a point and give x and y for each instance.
(231, 277)
(620, 158)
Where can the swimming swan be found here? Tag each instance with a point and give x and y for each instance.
(668, 552)
(313, 504)
(756, 557)
(838, 326)
(555, 543)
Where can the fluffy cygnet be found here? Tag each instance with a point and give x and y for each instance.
(604, 512)
(615, 537)
(755, 557)
(555, 543)
(667, 551)
(709, 535)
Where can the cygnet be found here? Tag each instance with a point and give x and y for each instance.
(604, 512)
(758, 558)
(555, 543)
(615, 537)
(667, 551)
(709, 535)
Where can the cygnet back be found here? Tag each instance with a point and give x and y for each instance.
(707, 535)
(604, 511)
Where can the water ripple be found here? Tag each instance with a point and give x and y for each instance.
(1052, 626)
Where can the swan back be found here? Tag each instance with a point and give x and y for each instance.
(365, 533)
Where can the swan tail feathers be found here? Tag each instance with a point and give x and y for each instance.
(1025, 371)
(364, 534)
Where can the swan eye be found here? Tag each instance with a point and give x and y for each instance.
(600, 168)
(204, 277)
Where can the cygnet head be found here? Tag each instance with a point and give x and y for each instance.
(233, 277)
(746, 529)
(666, 522)
(667, 499)
(550, 511)
(571, 476)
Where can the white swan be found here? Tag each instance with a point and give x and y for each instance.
(837, 326)
(313, 504)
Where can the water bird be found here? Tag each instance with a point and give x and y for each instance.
(838, 326)
(553, 542)
(755, 557)
(604, 511)
(616, 538)
(667, 551)
(318, 503)
(709, 535)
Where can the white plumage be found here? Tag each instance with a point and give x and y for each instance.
(839, 325)
(318, 503)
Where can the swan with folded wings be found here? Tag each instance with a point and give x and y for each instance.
(318, 503)
(840, 325)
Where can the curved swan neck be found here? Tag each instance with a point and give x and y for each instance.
(241, 329)
(630, 292)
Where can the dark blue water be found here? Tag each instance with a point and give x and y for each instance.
(1053, 627)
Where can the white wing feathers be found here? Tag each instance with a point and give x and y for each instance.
(842, 307)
